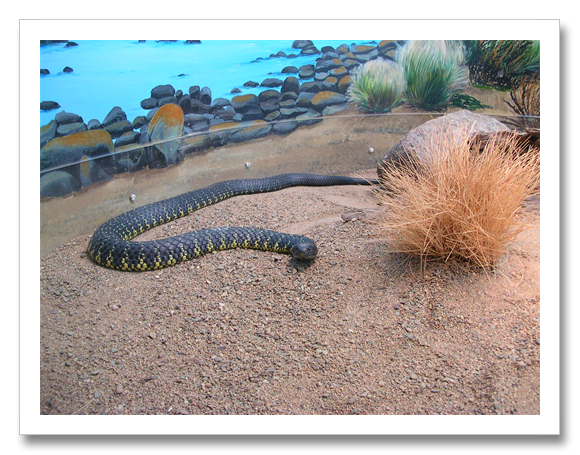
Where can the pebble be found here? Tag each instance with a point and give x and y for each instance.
(119, 388)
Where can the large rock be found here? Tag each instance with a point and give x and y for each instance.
(47, 133)
(416, 141)
(58, 183)
(162, 91)
(165, 132)
(327, 98)
(70, 149)
(253, 130)
(242, 103)
(115, 115)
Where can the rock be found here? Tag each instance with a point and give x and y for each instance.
(254, 130)
(385, 47)
(272, 116)
(138, 122)
(130, 137)
(242, 103)
(220, 134)
(44, 72)
(312, 87)
(253, 113)
(330, 84)
(343, 49)
(329, 110)
(185, 104)
(288, 96)
(165, 130)
(192, 41)
(115, 115)
(195, 143)
(305, 99)
(293, 112)
(284, 127)
(269, 106)
(198, 107)
(194, 92)
(291, 84)
(363, 58)
(338, 72)
(235, 91)
(149, 103)
(205, 95)
(272, 82)
(309, 51)
(251, 84)
(70, 128)
(416, 140)
(362, 49)
(90, 172)
(327, 98)
(287, 69)
(58, 183)
(93, 124)
(162, 91)
(343, 84)
(118, 128)
(67, 69)
(219, 103)
(309, 118)
(70, 149)
(63, 118)
(47, 132)
(302, 44)
(306, 72)
(48, 105)
(268, 95)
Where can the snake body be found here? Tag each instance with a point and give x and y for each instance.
(111, 245)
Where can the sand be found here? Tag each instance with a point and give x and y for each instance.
(361, 330)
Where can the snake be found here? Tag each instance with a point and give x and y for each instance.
(111, 244)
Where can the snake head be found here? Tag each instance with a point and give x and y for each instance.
(305, 250)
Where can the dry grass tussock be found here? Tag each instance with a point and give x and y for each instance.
(457, 205)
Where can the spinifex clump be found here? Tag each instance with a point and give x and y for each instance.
(457, 204)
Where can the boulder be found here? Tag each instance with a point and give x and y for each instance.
(130, 137)
(165, 132)
(305, 99)
(312, 87)
(115, 115)
(251, 84)
(343, 84)
(93, 124)
(47, 133)
(242, 103)
(44, 72)
(118, 128)
(272, 82)
(198, 107)
(290, 70)
(70, 149)
(284, 127)
(306, 72)
(90, 172)
(48, 105)
(268, 95)
(58, 183)
(220, 134)
(194, 92)
(415, 142)
(162, 91)
(291, 84)
(253, 130)
(185, 104)
(67, 69)
(338, 72)
(327, 98)
(196, 143)
(205, 95)
(63, 118)
(302, 44)
(70, 128)
(329, 110)
(309, 118)
(149, 103)
(139, 121)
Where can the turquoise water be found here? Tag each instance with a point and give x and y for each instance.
(122, 73)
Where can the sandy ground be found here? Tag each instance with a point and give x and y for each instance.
(359, 331)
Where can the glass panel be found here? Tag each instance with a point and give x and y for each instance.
(93, 171)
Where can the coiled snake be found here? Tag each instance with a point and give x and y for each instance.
(111, 245)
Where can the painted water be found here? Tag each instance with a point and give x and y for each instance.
(122, 73)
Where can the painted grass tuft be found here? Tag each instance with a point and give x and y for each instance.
(455, 204)
(377, 86)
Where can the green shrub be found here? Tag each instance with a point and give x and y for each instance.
(501, 64)
(434, 72)
(377, 86)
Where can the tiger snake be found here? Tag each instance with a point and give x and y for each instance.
(111, 245)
